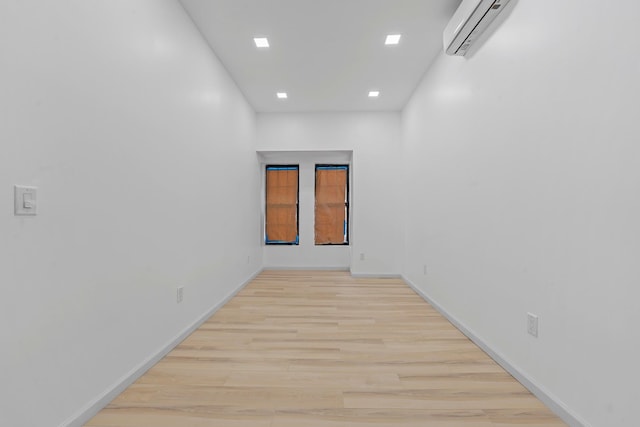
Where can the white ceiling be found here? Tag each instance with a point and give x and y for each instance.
(326, 54)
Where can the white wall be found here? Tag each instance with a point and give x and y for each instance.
(143, 152)
(374, 139)
(522, 196)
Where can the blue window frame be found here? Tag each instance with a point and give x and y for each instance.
(281, 202)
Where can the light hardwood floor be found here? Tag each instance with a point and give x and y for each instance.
(323, 349)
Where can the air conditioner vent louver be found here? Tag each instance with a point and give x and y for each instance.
(469, 21)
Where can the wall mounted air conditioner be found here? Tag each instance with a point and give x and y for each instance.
(469, 21)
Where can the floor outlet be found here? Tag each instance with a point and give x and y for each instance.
(532, 324)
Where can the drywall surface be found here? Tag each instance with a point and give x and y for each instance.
(522, 186)
(374, 140)
(142, 149)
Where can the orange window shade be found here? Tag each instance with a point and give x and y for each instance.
(282, 205)
(331, 206)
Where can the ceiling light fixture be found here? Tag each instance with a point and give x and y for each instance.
(393, 39)
(261, 42)
(281, 95)
(374, 94)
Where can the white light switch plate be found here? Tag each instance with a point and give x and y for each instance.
(532, 324)
(25, 200)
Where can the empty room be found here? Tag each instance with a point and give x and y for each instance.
(332, 213)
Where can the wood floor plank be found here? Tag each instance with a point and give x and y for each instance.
(324, 349)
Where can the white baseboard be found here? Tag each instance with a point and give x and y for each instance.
(552, 402)
(376, 275)
(312, 268)
(93, 407)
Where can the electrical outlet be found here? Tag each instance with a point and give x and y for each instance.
(361, 256)
(532, 324)
(180, 294)
(424, 269)
(248, 260)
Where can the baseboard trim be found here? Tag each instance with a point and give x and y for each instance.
(316, 268)
(552, 402)
(376, 275)
(93, 407)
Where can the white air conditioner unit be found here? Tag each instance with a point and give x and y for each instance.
(469, 21)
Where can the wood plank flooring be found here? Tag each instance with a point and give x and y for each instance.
(323, 349)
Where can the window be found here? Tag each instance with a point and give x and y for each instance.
(332, 205)
(281, 225)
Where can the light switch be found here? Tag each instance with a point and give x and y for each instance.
(25, 200)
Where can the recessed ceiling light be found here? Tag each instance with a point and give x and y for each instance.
(393, 39)
(261, 42)
(281, 95)
(374, 94)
